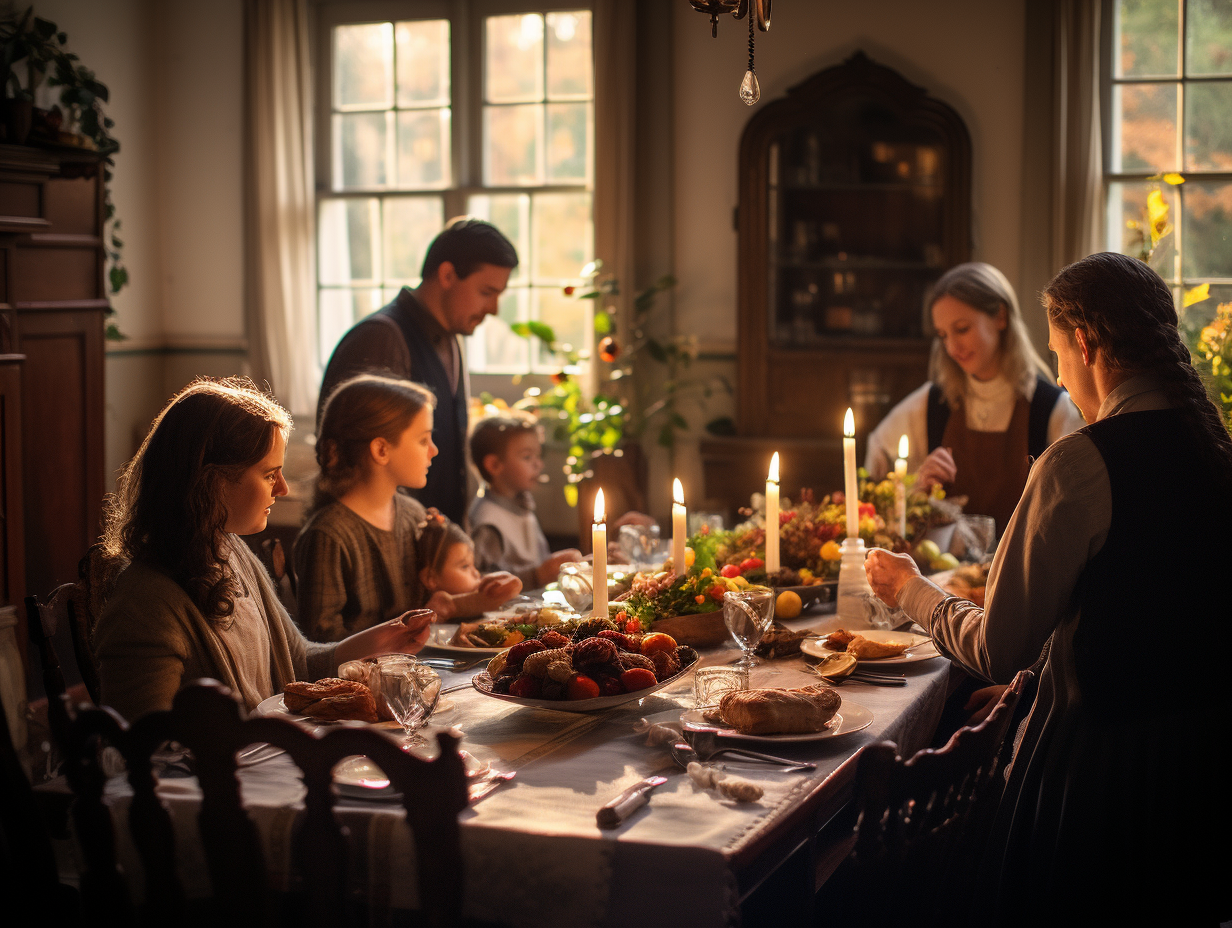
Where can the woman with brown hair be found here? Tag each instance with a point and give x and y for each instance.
(194, 601)
(1114, 810)
(990, 403)
(355, 556)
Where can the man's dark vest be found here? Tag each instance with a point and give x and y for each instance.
(1159, 585)
(447, 481)
(1042, 402)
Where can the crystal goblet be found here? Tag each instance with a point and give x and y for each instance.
(411, 690)
(747, 615)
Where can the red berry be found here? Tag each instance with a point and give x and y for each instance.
(582, 687)
(525, 687)
(569, 291)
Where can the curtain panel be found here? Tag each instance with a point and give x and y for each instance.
(279, 203)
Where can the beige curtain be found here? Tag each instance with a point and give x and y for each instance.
(614, 34)
(1063, 199)
(280, 285)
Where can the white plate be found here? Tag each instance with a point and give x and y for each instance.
(482, 680)
(923, 648)
(274, 707)
(439, 639)
(358, 777)
(850, 717)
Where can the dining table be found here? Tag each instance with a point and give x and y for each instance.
(533, 851)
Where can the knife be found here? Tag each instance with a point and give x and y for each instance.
(627, 802)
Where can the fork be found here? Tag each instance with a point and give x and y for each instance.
(454, 665)
(705, 748)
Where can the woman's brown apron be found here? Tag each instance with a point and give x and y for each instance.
(991, 467)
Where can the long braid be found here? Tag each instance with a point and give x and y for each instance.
(1126, 313)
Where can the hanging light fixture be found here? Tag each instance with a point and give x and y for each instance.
(758, 12)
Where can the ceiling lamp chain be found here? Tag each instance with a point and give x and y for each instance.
(758, 12)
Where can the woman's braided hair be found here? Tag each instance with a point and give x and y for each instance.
(1126, 312)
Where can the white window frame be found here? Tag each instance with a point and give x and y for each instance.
(466, 82)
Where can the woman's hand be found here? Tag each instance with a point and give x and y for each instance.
(887, 573)
(938, 467)
(392, 637)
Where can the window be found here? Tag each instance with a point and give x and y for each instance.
(1169, 96)
(429, 113)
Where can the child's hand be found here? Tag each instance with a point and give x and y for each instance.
(443, 605)
(392, 637)
(498, 588)
(546, 572)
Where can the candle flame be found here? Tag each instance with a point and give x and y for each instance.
(902, 447)
(677, 492)
(773, 476)
(849, 424)
(600, 512)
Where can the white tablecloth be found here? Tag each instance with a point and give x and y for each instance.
(534, 855)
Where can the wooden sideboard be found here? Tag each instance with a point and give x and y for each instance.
(52, 306)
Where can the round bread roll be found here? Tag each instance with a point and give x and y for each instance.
(775, 711)
(331, 699)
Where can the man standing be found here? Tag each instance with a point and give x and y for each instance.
(464, 273)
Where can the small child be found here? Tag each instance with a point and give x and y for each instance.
(506, 532)
(447, 556)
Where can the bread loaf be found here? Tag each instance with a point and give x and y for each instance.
(331, 699)
(773, 711)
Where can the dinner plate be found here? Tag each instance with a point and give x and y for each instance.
(925, 650)
(358, 777)
(440, 636)
(483, 683)
(850, 717)
(275, 707)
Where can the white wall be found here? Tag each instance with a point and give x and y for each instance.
(968, 53)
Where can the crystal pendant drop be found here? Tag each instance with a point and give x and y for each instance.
(750, 92)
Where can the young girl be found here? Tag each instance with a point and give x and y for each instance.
(356, 555)
(193, 600)
(447, 559)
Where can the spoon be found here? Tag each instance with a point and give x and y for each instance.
(836, 667)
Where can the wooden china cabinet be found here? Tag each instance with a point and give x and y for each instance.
(52, 306)
(855, 195)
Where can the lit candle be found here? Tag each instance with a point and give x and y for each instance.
(900, 491)
(598, 574)
(679, 530)
(772, 516)
(850, 488)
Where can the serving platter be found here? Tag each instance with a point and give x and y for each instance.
(851, 717)
(922, 647)
(483, 683)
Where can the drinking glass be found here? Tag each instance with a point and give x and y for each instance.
(747, 614)
(411, 690)
(711, 684)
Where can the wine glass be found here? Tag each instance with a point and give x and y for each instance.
(411, 690)
(747, 614)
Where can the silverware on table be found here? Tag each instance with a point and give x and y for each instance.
(628, 802)
(482, 785)
(454, 665)
(703, 749)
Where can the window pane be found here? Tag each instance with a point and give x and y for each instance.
(568, 318)
(347, 231)
(410, 225)
(513, 59)
(337, 311)
(1208, 130)
(363, 65)
(1145, 38)
(1208, 33)
(423, 148)
(512, 141)
(1129, 225)
(493, 347)
(1146, 139)
(359, 150)
(1207, 229)
(568, 136)
(563, 234)
(423, 62)
(570, 65)
(509, 212)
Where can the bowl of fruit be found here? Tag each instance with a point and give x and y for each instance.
(585, 667)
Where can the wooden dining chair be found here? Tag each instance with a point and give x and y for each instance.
(210, 724)
(922, 828)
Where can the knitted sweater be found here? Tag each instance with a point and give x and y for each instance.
(151, 639)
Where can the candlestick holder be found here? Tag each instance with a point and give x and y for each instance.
(853, 588)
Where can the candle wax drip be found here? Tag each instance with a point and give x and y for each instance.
(750, 91)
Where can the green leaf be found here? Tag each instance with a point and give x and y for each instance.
(571, 495)
(667, 436)
(603, 322)
(118, 277)
(656, 350)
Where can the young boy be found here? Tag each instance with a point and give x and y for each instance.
(506, 531)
